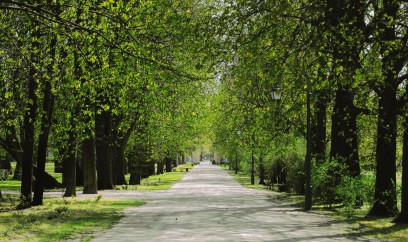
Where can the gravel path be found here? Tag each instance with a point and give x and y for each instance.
(208, 205)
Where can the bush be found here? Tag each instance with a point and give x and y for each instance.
(354, 191)
(287, 172)
(325, 178)
(295, 173)
(332, 184)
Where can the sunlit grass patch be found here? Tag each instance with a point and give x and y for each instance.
(62, 218)
(245, 180)
(157, 182)
(15, 185)
(10, 185)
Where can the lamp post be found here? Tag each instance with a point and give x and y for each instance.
(253, 159)
(308, 160)
(236, 154)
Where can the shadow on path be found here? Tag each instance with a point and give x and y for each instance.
(209, 205)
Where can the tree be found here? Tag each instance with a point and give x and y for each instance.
(391, 47)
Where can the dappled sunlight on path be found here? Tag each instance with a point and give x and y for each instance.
(208, 205)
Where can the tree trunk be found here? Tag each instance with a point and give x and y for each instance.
(344, 138)
(89, 164)
(46, 122)
(103, 150)
(403, 216)
(168, 162)
(29, 132)
(160, 167)
(120, 161)
(135, 177)
(385, 204)
(318, 145)
(120, 165)
(69, 166)
(344, 147)
(48, 107)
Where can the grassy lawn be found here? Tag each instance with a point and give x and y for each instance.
(157, 182)
(152, 183)
(13, 185)
(69, 218)
(60, 218)
(382, 229)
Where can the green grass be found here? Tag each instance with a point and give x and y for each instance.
(60, 218)
(13, 185)
(152, 183)
(157, 182)
(65, 218)
(245, 179)
(10, 185)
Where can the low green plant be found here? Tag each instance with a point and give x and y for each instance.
(353, 192)
(332, 185)
(326, 176)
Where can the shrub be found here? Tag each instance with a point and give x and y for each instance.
(295, 173)
(354, 191)
(332, 184)
(287, 172)
(325, 178)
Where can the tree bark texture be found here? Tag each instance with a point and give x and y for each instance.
(168, 163)
(385, 204)
(104, 150)
(403, 215)
(69, 166)
(319, 128)
(160, 167)
(89, 164)
(344, 146)
(120, 162)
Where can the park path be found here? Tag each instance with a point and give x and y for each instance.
(208, 205)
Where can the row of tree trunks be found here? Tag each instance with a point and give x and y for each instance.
(344, 146)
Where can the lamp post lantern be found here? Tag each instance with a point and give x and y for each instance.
(275, 94)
